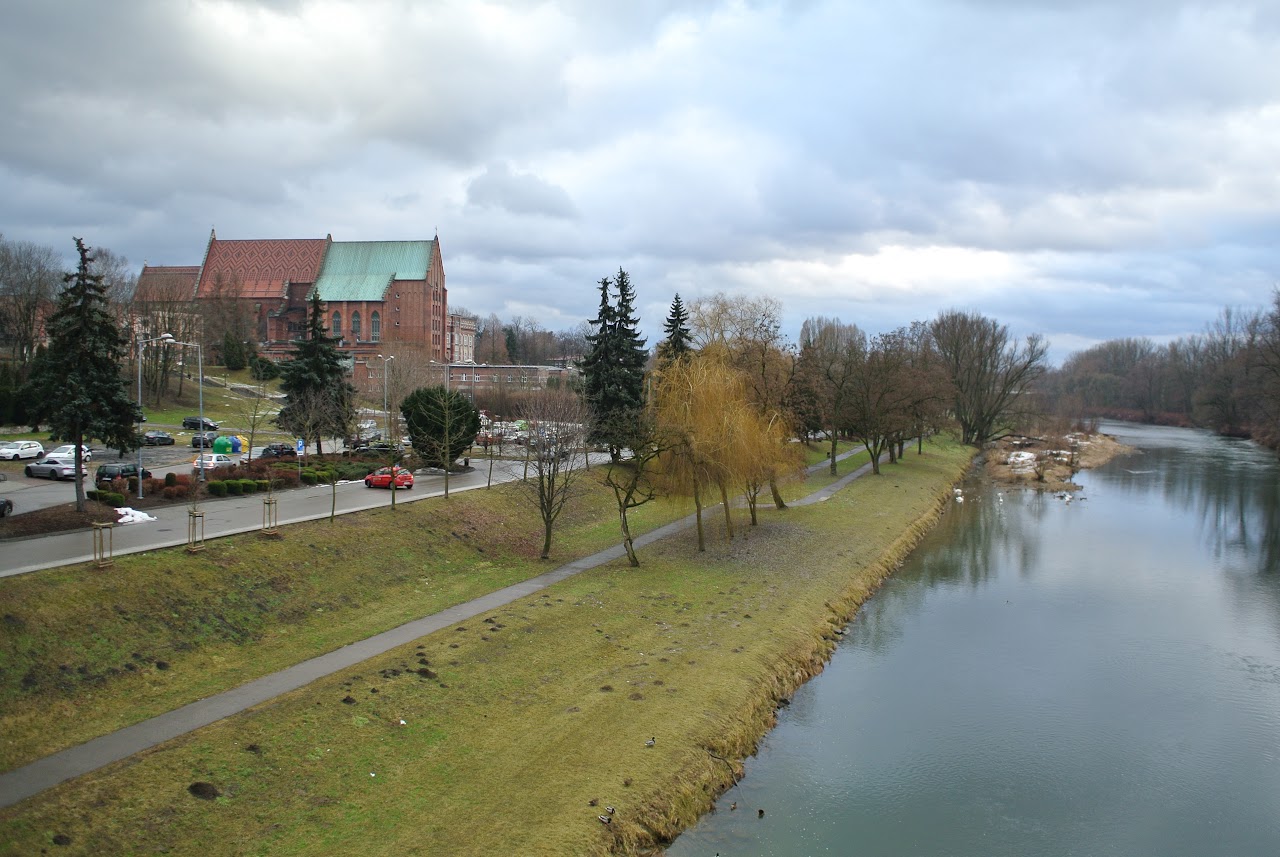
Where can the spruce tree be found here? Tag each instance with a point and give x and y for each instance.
(318, 398)
(613, 370)
(678, 342)
(75, 386)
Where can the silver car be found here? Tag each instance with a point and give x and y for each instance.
(53, 467)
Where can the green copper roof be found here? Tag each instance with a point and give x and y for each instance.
(362, 270)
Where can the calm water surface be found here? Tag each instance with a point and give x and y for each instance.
(1042, 678)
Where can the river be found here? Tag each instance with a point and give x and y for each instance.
(1098, 677)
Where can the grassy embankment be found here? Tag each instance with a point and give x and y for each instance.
(99, 650)
(526, 715)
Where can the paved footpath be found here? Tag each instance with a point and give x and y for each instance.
(31, 779)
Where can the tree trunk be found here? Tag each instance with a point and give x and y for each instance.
(834, 442)
(697, 507)
(778, 502)
(546, 540)
(627, 543)
(728, 516)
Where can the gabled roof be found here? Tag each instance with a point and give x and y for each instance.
(260, 269)
(169, 283)
(364, 270)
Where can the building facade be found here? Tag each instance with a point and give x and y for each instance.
(375, 294)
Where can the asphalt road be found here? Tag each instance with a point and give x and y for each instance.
(232, 515)
(30, 495)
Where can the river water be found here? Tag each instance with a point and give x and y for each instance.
(1099, 677)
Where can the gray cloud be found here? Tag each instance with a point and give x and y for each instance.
(1085, 169)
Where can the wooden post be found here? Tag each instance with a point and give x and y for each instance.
(103, 544)
(195, 530)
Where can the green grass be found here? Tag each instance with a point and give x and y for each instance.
(528, 713)
(82, 645)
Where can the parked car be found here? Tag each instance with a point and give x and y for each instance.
(15, 449)
(118, 470)
(379, 448)
(69, 450)
(280, 450)
(53, 467)
(203, 439)
(212, 460)
(157, 438)
(6, 506)
(381, 478)
(195, 423)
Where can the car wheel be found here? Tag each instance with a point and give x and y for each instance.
(28, 472)
(368, 484)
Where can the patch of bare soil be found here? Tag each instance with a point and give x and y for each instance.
(55, 519)
(1049, 463)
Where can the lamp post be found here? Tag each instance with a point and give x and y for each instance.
(138, 345)
(386, 414)
(199, 389)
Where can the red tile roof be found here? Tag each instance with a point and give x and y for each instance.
(167, 283)
(261, 268)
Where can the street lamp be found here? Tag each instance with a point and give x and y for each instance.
(169, 340)
(138, 346)
(386, 414)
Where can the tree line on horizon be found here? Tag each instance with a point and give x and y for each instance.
(1226, 379)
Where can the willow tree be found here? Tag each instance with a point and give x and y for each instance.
(703, 405)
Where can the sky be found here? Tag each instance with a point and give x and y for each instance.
(1082, 170)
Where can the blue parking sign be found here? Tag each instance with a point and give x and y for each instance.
(301, 445)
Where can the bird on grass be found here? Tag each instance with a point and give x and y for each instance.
(610, 810)
(652, 741)
(605, 819)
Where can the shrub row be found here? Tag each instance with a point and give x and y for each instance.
(237, 487)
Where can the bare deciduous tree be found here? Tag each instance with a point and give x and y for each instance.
(557, 454)
(992, 374)
(830, 352)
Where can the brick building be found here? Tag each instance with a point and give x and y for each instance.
(375, 293)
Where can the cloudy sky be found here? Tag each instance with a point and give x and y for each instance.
(1085, 170)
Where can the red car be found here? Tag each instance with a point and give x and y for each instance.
(382, 478)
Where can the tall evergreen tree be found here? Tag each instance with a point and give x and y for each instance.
(613, 370)
(75, 386)
(679, 342)
(318, 398)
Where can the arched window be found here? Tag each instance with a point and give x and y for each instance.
(355, 326)
(336, 328)
(375, 327)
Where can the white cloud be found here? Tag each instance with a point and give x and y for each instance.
(1085, 169)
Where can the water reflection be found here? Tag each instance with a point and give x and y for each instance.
(1100, 677)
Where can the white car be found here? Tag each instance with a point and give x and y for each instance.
(15, 449)
(69, 450)
(213, 460)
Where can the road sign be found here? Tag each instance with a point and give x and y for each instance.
(301, 445)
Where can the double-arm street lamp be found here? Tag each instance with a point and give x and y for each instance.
(386, 414)
(164, 337)
(169, 340)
